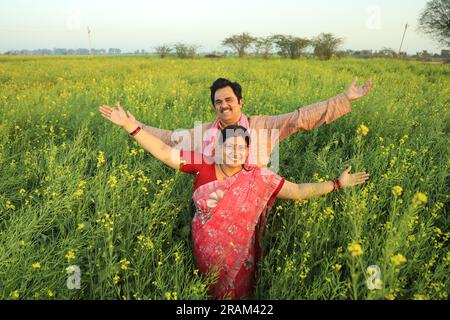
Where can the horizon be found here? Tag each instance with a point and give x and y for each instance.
(143, 25)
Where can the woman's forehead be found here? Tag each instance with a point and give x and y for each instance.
(235, 140)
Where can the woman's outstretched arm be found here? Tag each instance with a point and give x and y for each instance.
(293, 191)
(161, 151)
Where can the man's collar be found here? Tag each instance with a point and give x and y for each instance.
(222, 126)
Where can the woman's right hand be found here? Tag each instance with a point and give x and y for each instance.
(115, 115)
(348, 180)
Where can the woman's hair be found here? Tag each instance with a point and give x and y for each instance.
(222, 83)
(235, 131)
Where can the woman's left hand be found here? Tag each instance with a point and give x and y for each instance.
(348, 180)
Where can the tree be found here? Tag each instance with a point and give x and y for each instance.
(239, 42)
(424, 56)
(163, 50)
(264, 46)
(387, 53)
(435, 21)
(325, 45)
(185, 51)
(290, 46)
(114, 51)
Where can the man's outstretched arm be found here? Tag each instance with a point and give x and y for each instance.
(314, 115)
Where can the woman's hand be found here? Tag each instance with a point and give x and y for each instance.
(117, 116)
(348, 180)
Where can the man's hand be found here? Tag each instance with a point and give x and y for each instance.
(348, 180)
(355, 92)
(116, 116)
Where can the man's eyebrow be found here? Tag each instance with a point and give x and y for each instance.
(227, 98)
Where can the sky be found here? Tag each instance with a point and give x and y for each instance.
(144, 24)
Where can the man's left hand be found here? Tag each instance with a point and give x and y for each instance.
(355, 92)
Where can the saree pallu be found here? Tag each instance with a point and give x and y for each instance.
(229, 215)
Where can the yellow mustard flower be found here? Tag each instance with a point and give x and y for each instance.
(100, 159)
(112, 181)
(133, 152)
(362, 130)
(70, 255)
(397, 191)
(398, 259)
(125, 263)
(9, 205)
(419, 199)
(355, 249)
(447, 258)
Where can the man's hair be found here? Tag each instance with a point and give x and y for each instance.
(222, 83)
(235, 131)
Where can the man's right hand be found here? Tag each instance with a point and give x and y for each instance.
(114, 115)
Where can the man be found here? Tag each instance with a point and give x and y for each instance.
(226, 97)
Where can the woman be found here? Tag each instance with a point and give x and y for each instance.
(232, 200)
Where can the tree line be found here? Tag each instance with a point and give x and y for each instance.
(324, 46)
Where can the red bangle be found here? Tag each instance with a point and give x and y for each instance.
(336, 184)
(135, 131)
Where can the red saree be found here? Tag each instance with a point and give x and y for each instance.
(229, 215)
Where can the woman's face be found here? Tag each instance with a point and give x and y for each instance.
(235, 151)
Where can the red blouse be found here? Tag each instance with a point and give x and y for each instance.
(204, 169)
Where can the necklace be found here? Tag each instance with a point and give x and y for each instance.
(221, 169)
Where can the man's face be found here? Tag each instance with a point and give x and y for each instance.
(235, 151)
(227, 106)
